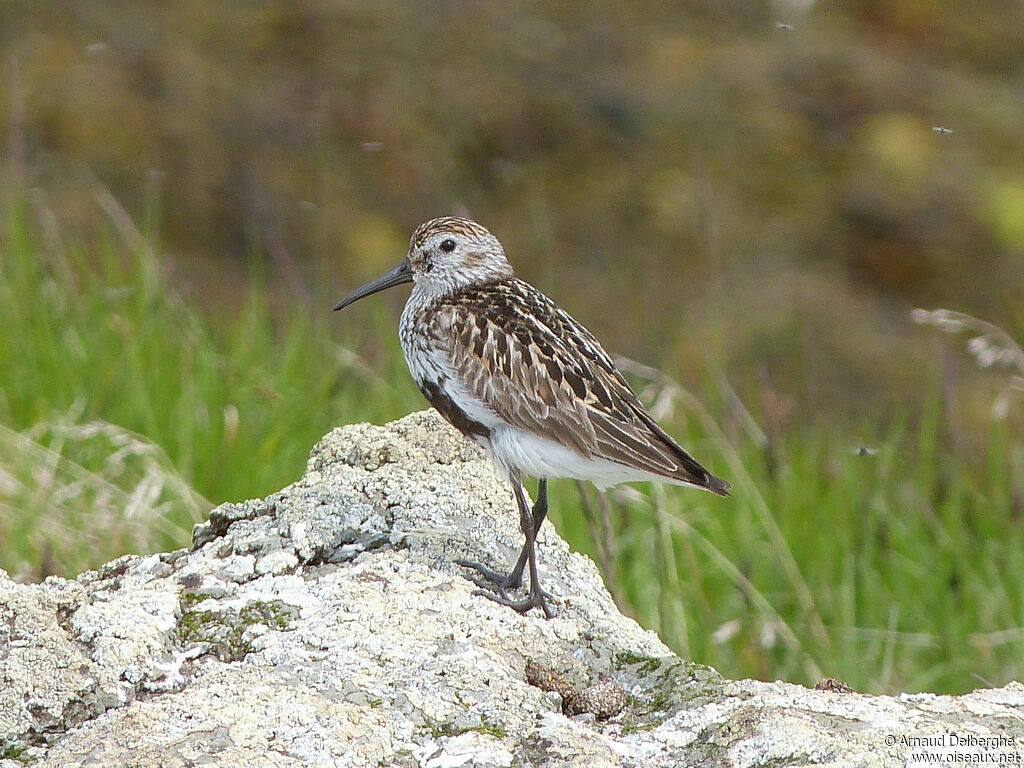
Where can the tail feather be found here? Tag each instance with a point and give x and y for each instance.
(717, 485)
(691, 470)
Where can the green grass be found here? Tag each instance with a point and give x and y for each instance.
(900, 570)
(125, 411)
(101, 357)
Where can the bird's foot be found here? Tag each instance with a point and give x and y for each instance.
(494, 585)
(536, 599)
(493, 581)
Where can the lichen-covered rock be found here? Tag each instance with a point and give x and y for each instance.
(327, 625)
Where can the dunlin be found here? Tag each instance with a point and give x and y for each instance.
(522, 379)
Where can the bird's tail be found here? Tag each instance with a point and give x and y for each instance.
(690, 470)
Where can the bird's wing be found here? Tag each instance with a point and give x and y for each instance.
(541, 371)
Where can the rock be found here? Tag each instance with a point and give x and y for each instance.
(328, 626)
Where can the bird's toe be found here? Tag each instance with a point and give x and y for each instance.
(491, 579)
(533, 600)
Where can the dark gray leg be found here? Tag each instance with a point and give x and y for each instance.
(493, 584)
(514, 580)
(540, 511)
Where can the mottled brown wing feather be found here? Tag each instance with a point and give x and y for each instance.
(543, 372)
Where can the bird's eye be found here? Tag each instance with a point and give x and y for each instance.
(448, 245)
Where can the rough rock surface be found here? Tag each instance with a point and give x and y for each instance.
(328, 626)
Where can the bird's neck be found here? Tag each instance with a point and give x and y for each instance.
(425, 293)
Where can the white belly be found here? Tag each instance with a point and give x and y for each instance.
(530, 454)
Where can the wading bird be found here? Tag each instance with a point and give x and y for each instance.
(522, 379)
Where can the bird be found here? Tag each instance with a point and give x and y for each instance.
(522, 379)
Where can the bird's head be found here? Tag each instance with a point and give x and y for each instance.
(445, 255)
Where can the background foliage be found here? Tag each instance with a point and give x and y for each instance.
(750, 197)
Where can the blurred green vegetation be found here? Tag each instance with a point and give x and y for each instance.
(749, 196)
(752, 183)
(124, 407)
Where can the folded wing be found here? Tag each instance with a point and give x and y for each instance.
(550, 376)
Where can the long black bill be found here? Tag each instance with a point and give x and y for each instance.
(400, 274)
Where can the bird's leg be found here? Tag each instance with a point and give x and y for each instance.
(540, 510)
(495, 584)
(513, 580)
